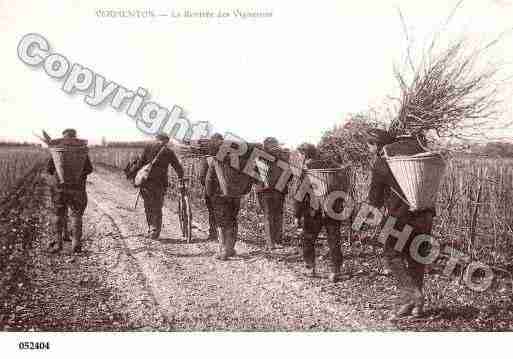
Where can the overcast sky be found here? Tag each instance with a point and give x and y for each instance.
(292, 76)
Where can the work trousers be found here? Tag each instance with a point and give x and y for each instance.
(226, 210)
(73, 201)
(271, 203)
(313, 224)
(408, 272)
(212, 232)
(153, 198)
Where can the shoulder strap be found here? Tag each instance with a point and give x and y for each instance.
(401, 197)
(157, 155)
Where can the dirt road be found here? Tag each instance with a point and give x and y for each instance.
(124, 281)
(185, 288)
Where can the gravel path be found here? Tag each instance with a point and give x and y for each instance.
(126, 282)
(193, 291)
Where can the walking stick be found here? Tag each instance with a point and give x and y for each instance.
(137, 199)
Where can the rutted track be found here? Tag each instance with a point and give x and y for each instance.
(123, 281)
(193, 291)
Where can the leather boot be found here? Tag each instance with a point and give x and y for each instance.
(56, 244)
(409, 293)
(418, 300)
(417, 311)
(156, 225)
(309, 270)
(76, 241)
(385, 267)
(230, 242)
(334, 275)
(66, 235)
(212, 233)
(221, 237)
(403, 311)
(278, 225)
(236, 230)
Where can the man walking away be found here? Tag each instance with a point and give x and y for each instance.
(215, 142)
(376, 140)
(314, 220)
(311, 153)
(385, 192)
(270, 199)
(154, 187)
(226, 206)
(72, 196)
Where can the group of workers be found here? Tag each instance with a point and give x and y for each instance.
(223, 209)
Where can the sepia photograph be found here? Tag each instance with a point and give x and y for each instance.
(256, 178)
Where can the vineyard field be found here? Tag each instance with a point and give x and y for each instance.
(16, 162)
(474, 212)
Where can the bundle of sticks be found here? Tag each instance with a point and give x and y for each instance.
(47, 139)
(44, 138)
(451, 89)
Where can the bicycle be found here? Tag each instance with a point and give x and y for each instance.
(184, 211)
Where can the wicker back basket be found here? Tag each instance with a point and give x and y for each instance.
(192, 149)
(297, 162)
(419, 177)
(325, 181)
(264, 168)
(69, 157)
(269, 172)
(233, 183)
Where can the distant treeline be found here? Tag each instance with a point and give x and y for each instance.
(18, 144)
(129, 144)
(495, 149)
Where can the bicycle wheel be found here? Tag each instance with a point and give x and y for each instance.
(180, 215)
(187, 218)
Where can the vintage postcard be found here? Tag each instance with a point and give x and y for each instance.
(250, 178)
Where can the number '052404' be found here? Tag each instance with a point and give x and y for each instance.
(34, 345)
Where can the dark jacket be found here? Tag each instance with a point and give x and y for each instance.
(88, 169)
(203, 170)
(238, 182)
(275, 174)
(159, 171)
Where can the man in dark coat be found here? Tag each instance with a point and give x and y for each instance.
(214, 142)
(315, 219)
(270, 199)
(154, 188)
(376, 140)
(385, 192)
(226, 205)
(72, 196)
(310, 152)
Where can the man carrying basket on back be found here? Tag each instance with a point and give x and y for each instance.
(311, 210)
(225, 186)
(386, 192)
(270, 199)
(214, 142)
(156, 159)
(66, 192)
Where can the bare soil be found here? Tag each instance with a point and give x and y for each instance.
(124, 281)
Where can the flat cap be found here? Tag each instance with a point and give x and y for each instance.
(69, 132)
(271, 141)
(162, 137)
(217, 137)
